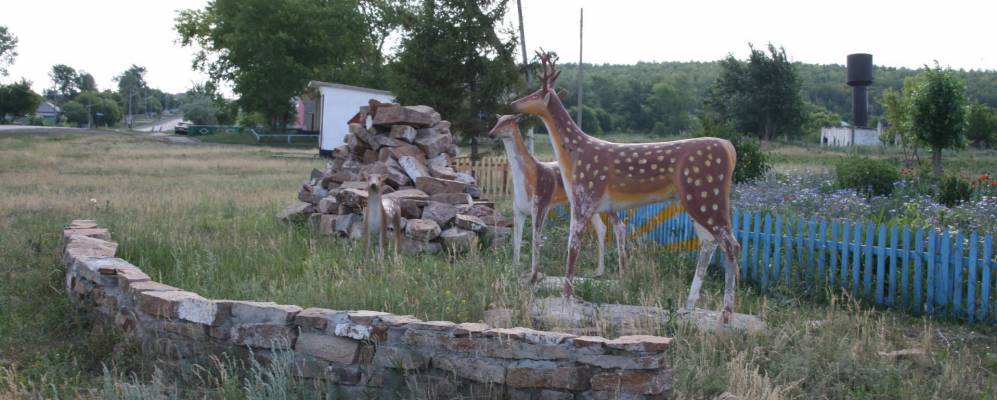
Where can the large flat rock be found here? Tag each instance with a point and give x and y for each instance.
(584, 318)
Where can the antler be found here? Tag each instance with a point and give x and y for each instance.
(550, 73)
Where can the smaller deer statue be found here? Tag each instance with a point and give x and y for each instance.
(377, 214)
(537, 187)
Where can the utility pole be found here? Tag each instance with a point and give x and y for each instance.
(522, 45)
(581, 19)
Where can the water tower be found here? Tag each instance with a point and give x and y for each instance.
(860, 76)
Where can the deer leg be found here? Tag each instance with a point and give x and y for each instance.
(539, 216)
(366, 232)
(382, 237)
(731, 249)
(600, 233)
(574, 244)
(518, 220)
(397, 218)
(620, 232)
(706, 249)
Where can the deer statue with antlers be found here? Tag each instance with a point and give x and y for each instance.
(602, 177)
(537, 186)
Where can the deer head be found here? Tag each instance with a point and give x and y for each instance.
(536, 102)
(375, 183)
(505, 127)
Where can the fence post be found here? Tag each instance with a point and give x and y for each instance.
(765, 251)
(811, 255)
(918, 276)
(971, 278)
(856, 257)
(833, 244)
(822, 243)
(777, 257)
(891, 295)
(944, 271)
(985, 293)
(956, 282)
(932, 276)
(881, 264)
(745, 243)
(867, 270)
(905, 270)
(845, 229)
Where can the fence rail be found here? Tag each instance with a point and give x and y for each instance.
(491, 173)
(918, 270)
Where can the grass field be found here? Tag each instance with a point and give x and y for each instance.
(201, 217)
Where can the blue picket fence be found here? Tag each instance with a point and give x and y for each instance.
(918, 270)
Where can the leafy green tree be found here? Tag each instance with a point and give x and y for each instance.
(65, 82)
(452, 59)
(269, 50)
(897, 106)
(132, 88)
(200, 110)
(75, 112)
(670, 104)
(816, 117)
(103, 107)
(760, 95)
(153, 105)
(18, 100)
(8, 49)
(938, 113)
(981, 125)
(85, 81)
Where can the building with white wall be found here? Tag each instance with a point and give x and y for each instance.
(335, 105)
(839, 136)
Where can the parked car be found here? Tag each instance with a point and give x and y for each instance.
(181, 128)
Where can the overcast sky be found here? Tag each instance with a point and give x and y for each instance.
(104, 37)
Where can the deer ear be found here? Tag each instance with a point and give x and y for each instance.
(562, 93)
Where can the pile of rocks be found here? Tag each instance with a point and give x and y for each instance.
(353, 354)
(412, 147)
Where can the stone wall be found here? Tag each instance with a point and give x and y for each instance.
(361, 353)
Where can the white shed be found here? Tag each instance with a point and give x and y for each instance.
(336, 105)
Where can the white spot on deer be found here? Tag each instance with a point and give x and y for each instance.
(691, 158)
(695, 169)
(688, 180)
(708, 163)
(698, 182)
(654, 166)
(617, 162)
(631, 167)
(716, 191)
(672, 160)
(720, 177)
(669, 151)
(590, 184)
(642, 161)
(688, 197)
(709, 221)
(661, 158)
(670, 169)
(709, 178)
(685, 172)
(634, 155)
(602, 177)
(715, 206)
(641, 170)
(702, 208)
(699, 152)
(718, 160)
(703, 195)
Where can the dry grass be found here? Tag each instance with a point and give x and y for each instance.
(201, 217)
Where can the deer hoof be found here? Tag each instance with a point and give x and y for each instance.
(725, 315)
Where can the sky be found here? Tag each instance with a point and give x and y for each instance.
(105, 37)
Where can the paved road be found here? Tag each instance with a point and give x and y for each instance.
(166, 126)
(30, 128)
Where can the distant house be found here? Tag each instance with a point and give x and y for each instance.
(333, 105)
(847, 135)
(49, 112)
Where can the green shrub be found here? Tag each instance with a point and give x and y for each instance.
(952, 191)
(867, 175)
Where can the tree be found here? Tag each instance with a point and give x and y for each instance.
(18, 100)
(761, 95)
(452, 59)
(981, 125)
(131, 88)
(8, 49)
(269, 50)
(897, 106)
(815, 118)
(75, 112)
(939, 113)
(65, 82)
(200, 110)
(85, 82)
(670, 105)
(153, 105)
(102, 106)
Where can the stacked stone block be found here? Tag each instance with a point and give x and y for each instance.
(363, 354)
(413, 148)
